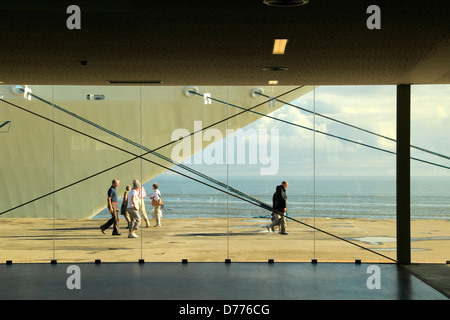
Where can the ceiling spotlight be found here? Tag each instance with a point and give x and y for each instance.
(273, 81)
(285, 3)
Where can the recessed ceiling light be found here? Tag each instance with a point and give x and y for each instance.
(273, 81)
(279, 46)
(285, 3)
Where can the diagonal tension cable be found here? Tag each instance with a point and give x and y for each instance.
(206, 127)
(321, 132)
(167, 144)
(135, 156)
(296, 124)
(148, 150)
(127, 161)
(352, 126)
(257, 203)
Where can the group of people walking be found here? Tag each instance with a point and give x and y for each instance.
(133, 206)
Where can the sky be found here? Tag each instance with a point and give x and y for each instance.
(300, 152)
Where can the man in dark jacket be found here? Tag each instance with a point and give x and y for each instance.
(280, 208)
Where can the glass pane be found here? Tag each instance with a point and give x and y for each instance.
(192, 222)
(355, 173)
(261, 155)
(87, 160)
(430, 212)
(26, 200)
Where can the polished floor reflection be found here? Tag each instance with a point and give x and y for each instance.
(213, 281)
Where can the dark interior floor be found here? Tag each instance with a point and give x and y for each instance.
(437, 275)
(215, 281)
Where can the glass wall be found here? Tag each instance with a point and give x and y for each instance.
(430, 186)
(92, 155)
(355, 172)
(278, 148)
(218, 155)
(26, 151)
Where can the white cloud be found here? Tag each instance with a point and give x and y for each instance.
(369, 107)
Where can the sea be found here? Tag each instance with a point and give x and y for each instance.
(326, 197)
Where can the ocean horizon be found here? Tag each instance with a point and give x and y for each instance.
(326, 197)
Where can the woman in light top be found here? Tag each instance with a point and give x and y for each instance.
(133, 209)
(142, 194)
(156, 212)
